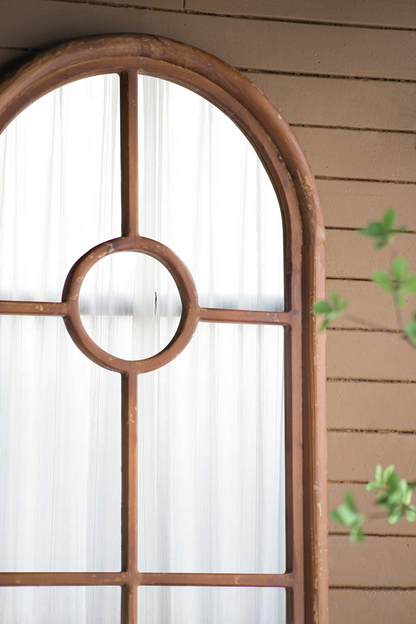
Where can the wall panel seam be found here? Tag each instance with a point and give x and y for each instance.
(379, 431)
(365, 329)
(352, 128)
(242, 16)
(375, 180)
(277, 72)
(379, 588)
(382, 535)
(343, 228)
(361, 380)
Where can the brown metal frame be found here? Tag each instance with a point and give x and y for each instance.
(307, 569)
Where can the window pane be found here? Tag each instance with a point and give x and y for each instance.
(130, 305)
(60, 459)
(60, 191)
(211, 455)
(60, 605)
(205, 194)
(211, 605)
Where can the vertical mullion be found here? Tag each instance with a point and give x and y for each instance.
(129, 605)
(129, 495)
(129, 154)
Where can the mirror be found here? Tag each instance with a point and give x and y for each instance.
(212, 423)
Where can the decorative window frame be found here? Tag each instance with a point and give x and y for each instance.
(306, 579)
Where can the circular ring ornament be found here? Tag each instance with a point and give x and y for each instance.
(183, 280)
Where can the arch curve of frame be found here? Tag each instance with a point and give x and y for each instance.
(291, 175)
(199, 71)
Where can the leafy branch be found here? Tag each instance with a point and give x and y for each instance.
(392, 494)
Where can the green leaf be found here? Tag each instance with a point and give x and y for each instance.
(349, 501)
(360, 535)
(411, 514)
(383, 280)
(322, 307)
(407, 496)
(379, 473)
(388, 219)
(336, 517)
(334, 297)
(410, 330)
(373, 230)
(395, 515)
(347, 516)
(388, 472)
(400, 268)
(372, 485)
(392, 480)
(382, 231)
(409, 285)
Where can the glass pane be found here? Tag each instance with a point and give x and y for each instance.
(60, 191)
(60, 605)
(211, 455)
(211, 605)
(60, 458)
(130, 305)
(205, 194)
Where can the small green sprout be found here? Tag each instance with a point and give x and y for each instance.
(383, 231)
(393, 494)
(348, 515)
(332, 308)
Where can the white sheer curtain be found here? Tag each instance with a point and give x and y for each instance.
(211, 441)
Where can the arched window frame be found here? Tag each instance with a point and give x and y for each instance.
(306, 578)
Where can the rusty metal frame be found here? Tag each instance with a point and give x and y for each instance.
(306, 577)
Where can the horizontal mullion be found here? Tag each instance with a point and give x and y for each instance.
(216, 580)
(219, 315)
(34, 308)
(22, 579)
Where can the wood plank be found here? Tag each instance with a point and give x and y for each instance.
(351, 255)
(340, 102)
(371, 406)
(361, 155)
(369, 355)
(369, 306)
(379, 562)
(354, 456)
(380, 13)
(365, 503)
(349, 606)
(354, 204)
(250, 44)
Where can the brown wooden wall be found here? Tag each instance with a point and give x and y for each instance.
(344, 75)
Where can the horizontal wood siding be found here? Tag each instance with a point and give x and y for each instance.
(369, 306)
(353, 456)
(352, 204)
(375, 13)
(352, 256)
(342, 102)
(371, 406)
(349, 606)
(379, 562)
(248, 44)
(369, 355)
(360, 155)
(344, 76)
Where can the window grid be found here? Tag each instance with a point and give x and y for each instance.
(155, 60)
